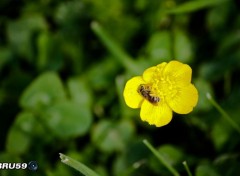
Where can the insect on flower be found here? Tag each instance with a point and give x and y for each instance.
(160, 91)
(145, 91)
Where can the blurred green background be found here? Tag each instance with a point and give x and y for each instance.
(63, 67)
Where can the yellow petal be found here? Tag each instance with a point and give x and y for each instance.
(158, 115)
(179, 72)
(184, 101)
(131, 96)
(148, 73)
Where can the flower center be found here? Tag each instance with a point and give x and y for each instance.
(163, 85)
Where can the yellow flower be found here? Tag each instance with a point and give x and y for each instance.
(161, 90)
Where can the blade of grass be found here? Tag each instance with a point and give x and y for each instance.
(187, 168)
(192, 6)
(223, 113)
(77, 165)
(116, 50)
(161, 158)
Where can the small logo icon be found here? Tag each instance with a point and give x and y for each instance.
(32, 165)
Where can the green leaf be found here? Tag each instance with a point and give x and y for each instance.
(67, 119)
(21, 31)
(206, 169)
(182, 46)
(220, 134)
(159, 47)
(192, 6)
(48, 58)
(43, 91)
(19, 136)
(5, 156)
(120, 167)
(60, 170)
(99, 78)
(173, 154)
(109, 136)
(80, 92)
(17, 142)
(217, 19)
(68, 13)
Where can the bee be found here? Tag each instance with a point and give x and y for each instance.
(145, 91)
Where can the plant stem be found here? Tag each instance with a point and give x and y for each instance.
(161, 158)
(77, 165)
(224, 114)
(187, 168)
(116, 50)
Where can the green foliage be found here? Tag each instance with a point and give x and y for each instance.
(20, 33)
(67, 119)
(203, 86)
(159, 46)
(194, 5)
(77, 165)
(206, 169)
(110, 137)
(63, 67)
(182, 47)
(44, 91)
(19, 137)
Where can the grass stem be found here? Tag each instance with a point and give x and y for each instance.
(77, 165)
(223, 113)
(161, 158)
(118, 53)
(187, 168)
